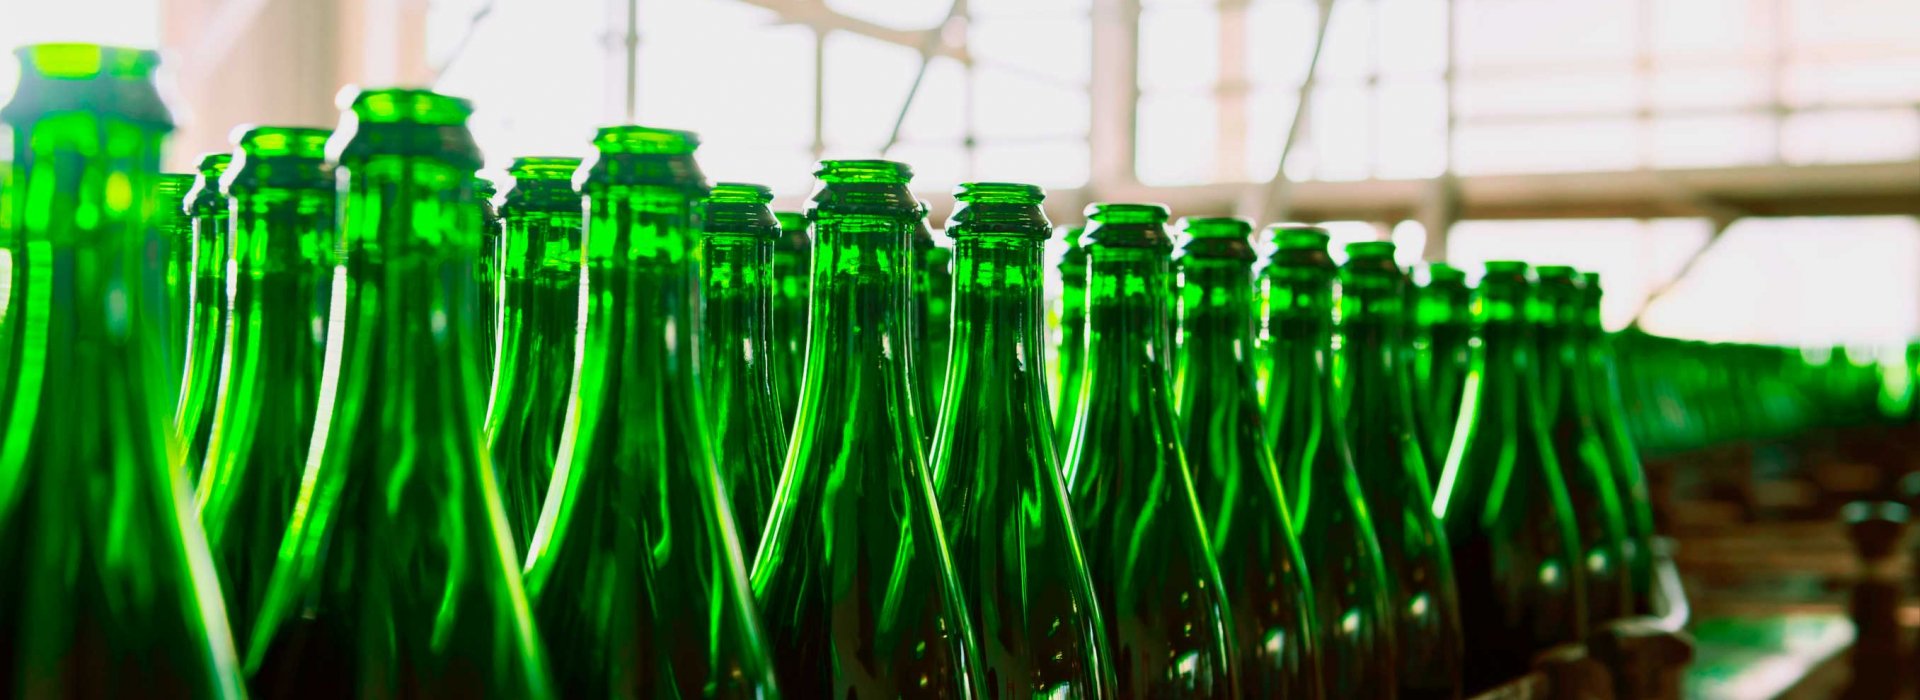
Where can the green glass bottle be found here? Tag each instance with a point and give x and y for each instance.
(1169, 625)
(1442, 330)
(1010, 528)
(1596, 351)
(175, 229)
(737, 351)
(932, 290)
(1233, 471)
(853, 573)
(1502, 501)
(1351, 591)
(1073, 337)
(283, 252)
(1566, 406)
(1376, 406)
(206, 318)
(109, 591)
(635, 571)
(538, 274)
(486, 274)
(396, 575)
(792, 288)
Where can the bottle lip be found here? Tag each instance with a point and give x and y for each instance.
(1370, 250)
(111, 81)
(740, 192)
(635, 139)
(204, 197)
(395, 105)
(81, 61)
(543, 168)
(263, 141)
(1557, 273)
(1125, 213)
(1506, 267)
(864, 171)
(1215, 227)
(999, 193)
(1292, 236)
(484, 188)
(1442, 273)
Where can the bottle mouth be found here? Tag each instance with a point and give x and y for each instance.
(1557, 273)
(739, 209)
(300, 142)
(1370, 250)
(740, 193)
(645, 140)
(484, 188)
(999, 193)
(1442, 273)
(543, 168)
(74, 61)
(1125, 213)
(1296, 237)
(1507, 273)
(1216, 227)
(863, 171)
(405, 106)
(204, 198)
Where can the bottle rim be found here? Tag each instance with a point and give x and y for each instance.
(999, 193)
(863, 171)
(1215, 227)
(1125, 213)
(634, 139)
(404, 106)
(204, 198)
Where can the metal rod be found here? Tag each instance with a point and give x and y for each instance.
(1272, 201)
(928, 43)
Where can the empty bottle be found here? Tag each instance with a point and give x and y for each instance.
(1566, 405)
(737, 351)
(1596, 351)
(109, 591)
(792, 286)
(1169, 625)
(283, 253)
(1073, 337)
(1503, 502)
(396, 575)
(1376, 405)
(853, 574)
(206, 321)
(536, 268)
(1010, 528)
(1351, 591)
(1442, 329)
(635, 571)
(1233, 472)
(932, 290)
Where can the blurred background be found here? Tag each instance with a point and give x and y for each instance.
(1738, 170)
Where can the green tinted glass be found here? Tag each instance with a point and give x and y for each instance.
(207, 304)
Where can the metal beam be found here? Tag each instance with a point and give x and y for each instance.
(816, 14)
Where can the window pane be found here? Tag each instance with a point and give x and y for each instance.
(1879, 81)
(695, 80)
(867, 79)
(544, 101)
(1179, 47)
(1843, 136)
(939, 110)
(1603, 144)
(1412, 138)
(1012, 105)
(1534, 33)
(1583, 93)
(1881, 25)
(1712, 140)
(1280, 41)
(1709, 88)
(1413, 37)
(1052, 164)
(898, 14)
(787, 171)
(1696, 28)
(1055, 48)
(979, 9)
(1341, 132)
(1177, 138)
(1801, 280)
(1348, 52)
(1269, 114)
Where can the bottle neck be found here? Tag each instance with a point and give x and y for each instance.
(737, 293)
(278, 230)
(1371, 320)
(1126, 318)
(1507, 356)
(1216, 320)
(1300, 324)
(859, 310)
(997, 310)
(642, 280)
